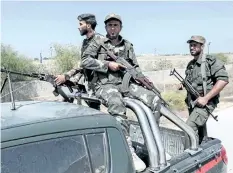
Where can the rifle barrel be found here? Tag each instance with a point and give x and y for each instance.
(19, 73)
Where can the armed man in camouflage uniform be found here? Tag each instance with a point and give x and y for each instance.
(216, 79)
(107, 77)
(87, 24)
(112, 81)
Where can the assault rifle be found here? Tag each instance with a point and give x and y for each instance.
(190, 90)
(131, 72)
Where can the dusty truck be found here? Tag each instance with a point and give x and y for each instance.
(63, 137)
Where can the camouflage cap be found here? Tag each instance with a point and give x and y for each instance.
(112, 16)
(197, 38)
(86, 16)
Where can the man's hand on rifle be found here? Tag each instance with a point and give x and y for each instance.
(60, 79)
(115, 66)
(201, 101)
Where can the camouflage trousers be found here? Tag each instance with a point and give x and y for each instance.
(197, 121)
(113, 100)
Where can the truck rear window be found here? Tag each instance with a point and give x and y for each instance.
(76, 154)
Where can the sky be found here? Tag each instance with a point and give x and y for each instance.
(31, 27)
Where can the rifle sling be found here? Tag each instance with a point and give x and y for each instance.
(203, 73)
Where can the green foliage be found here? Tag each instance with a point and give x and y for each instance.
(222, 57)
(12, 60)
(67, 57)
(175, 99)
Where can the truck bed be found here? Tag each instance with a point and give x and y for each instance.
(212, 157)
(172, 139)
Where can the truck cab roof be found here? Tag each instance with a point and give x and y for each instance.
(49, 117)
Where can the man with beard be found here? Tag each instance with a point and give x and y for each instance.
(208, 76)
(99, 72)
(107, 80)
(87, 24)
(122, 48)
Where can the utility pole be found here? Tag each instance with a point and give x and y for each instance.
(51, 52)
(209, 48)
(41, 57)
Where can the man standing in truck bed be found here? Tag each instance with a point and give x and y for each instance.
(208, 76)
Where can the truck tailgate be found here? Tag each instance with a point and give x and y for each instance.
(211, 159)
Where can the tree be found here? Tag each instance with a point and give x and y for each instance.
(12, 60)
(66, 57)
(222, 57)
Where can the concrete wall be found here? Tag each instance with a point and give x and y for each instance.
(29, 90)
(35, 89)
(164, 81)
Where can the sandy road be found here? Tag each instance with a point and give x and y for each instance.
(223, 130)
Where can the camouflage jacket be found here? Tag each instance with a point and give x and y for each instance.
(76, 72)
(95, 58)
(215, 70)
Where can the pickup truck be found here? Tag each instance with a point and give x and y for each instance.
(62, 137)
